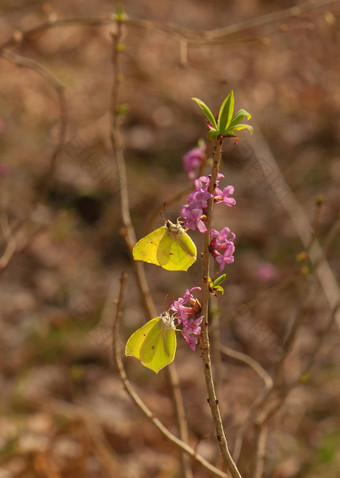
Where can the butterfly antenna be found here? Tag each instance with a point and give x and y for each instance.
(162, 211)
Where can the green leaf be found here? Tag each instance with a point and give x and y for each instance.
(219, 280)
(121, 16)
(122, 109)
(238, 127)
(239, 117)
(226, 113)
(206, 111)
(219, 289)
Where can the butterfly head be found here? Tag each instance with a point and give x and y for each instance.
(167, 320)
(175, 229)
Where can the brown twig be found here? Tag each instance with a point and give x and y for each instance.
(298, 217)
(260, 456)
(139, 402)
(316, 220)
(204, 338)
(204, 38)
(272, 396)
(283, 393)
(260, 298)
(260, 404)
(249, 361)
(130, 239)
(128, 231)
(216, 356)
(52, 79)
(10, 239)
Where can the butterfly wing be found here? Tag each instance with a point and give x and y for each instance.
(159, 347)
(147, 248)
(168, 247)
(176, 252)
(135, 342)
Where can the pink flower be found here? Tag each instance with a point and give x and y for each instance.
(194, 213)
(191, 331)
(221, 237)
(191, 341)
(187, 308)
(193, 159)
(192, 326)
(200, 198)
(222, 247)
(225, 258)
(193, 217)
(224, 196)
(267, 272)
(4, 170)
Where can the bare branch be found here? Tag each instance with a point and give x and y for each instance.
(52, 79)
(205, 38)
(130, 239)
(204, 337)
(10, 239)
(299, 219)
(249, 361)
(261, 442)
(139, 402)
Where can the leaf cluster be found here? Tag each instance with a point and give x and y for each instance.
(227, 123)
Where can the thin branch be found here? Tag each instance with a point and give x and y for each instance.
(260, 297)
(204, 338)
(205, 38)
(329, 240)
(270, 18)
(261, 442)
(11, 242)
(298, 217)
(283, 393)
(310, 362)
(130, 239)
(249, 361)
(259, 405)
(316, 220)
(53, 81)
(128, 231)
(291, 337)
(32, 65)
(215, 339)
(249, 418)
(267, 404)
(139, 402)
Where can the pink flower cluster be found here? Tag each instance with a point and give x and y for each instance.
(222, 246)
(194, 212)
(187, 308)
(194, 159)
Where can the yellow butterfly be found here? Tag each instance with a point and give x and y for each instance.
(154, 344)
(168, 246)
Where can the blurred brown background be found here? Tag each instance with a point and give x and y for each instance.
(63, 409)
